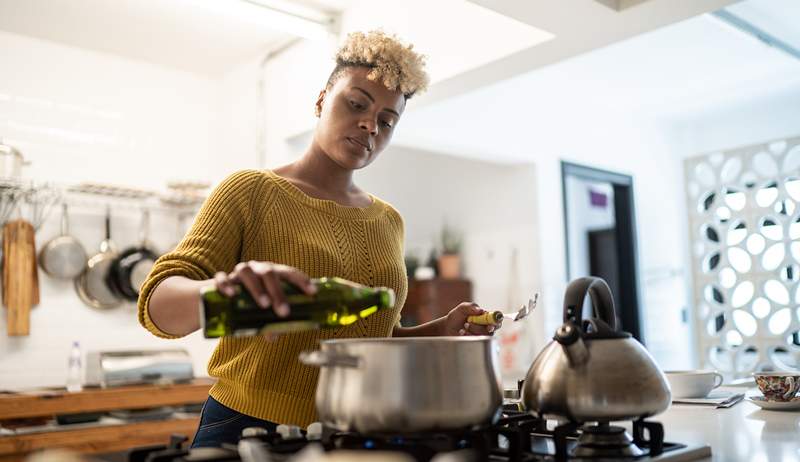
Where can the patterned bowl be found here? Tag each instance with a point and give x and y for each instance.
(778, 386)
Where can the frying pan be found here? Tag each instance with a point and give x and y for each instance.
(63, 257)
(130, 269)
(91, 285)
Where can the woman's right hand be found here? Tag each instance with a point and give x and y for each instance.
(263, 280)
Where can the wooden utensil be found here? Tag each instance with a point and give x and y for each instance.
(19, 275)
(6, 253)
(31, 244)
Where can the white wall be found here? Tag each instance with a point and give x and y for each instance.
(88, 116)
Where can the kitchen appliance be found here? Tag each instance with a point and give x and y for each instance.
(592, 372)
(516, 437)
(116, 368)
(409, 384)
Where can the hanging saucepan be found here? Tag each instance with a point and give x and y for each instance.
(91, 284)
(11, 162)
(131, 267)
(63, 257)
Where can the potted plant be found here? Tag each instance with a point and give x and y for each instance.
(450, 260)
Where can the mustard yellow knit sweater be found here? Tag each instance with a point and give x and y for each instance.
(258, 215)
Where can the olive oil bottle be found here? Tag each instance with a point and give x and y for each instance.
(336, 303)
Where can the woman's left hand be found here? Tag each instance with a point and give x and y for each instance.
(455, 323)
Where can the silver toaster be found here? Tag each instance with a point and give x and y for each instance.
(116, 368)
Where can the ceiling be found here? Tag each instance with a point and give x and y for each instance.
(180, 34)
(697, 66)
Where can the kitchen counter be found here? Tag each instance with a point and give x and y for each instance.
(744, 432)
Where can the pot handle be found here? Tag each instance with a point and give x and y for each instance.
(321, 358)
(602, 301)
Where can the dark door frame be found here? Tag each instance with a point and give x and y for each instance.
(624, 216)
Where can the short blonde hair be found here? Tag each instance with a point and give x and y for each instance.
(392, 62)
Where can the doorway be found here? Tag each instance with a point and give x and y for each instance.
(601, 236)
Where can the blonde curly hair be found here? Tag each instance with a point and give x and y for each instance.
(392, 62)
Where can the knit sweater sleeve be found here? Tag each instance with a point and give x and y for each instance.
(212, 244)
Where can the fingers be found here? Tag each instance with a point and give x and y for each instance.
(224, 284)
(469, 309)
(297, 278)
(253, 283)
(272, 283)
(263, 280)
(477, 329)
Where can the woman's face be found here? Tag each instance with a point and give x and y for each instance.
(356, 118)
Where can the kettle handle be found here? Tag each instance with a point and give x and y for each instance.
(602, 301)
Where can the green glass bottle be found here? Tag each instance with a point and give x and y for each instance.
(336, 303)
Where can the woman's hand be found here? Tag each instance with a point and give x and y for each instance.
(263, 281)
(455, 323)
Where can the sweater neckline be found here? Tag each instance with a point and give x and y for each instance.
(326, 205)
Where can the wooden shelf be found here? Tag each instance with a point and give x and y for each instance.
(432, 298)
(100, 439)
(45, 403)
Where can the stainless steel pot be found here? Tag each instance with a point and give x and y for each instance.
(11, 162)
(407, 384)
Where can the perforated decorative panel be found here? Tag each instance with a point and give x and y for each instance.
(744, 227)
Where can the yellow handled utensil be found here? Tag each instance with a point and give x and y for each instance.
(494, 317)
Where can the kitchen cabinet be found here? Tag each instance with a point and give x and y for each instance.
(432, 298)
(109, 435)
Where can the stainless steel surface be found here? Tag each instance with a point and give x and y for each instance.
(616, 379)
(92, 285)
(11, 161)
(116, 368)
(407, 384)
(607, 441)
(526, 309)
(63, 257)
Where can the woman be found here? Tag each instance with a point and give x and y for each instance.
(305, 219)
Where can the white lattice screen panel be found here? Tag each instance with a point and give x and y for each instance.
(744, 225)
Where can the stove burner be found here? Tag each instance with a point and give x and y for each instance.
(517, 437)
(605, 440)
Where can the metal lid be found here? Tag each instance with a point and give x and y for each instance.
(6, 149)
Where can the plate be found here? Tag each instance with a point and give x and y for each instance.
(763, 403)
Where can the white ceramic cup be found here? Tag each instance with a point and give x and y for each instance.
(692, 384)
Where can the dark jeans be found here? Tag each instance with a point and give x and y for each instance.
(221, 424)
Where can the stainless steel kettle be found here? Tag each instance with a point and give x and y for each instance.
(592, 372)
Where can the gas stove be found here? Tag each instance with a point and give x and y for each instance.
(516, 437)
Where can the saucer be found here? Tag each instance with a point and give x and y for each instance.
(763, 403)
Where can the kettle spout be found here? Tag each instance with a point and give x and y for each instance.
(569, 336)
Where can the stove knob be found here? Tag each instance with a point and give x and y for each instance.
(314, 432)
(289, 432)
(254, 431)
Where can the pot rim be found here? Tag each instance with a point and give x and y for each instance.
(403, 340)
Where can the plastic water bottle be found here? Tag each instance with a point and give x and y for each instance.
(75, 370)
